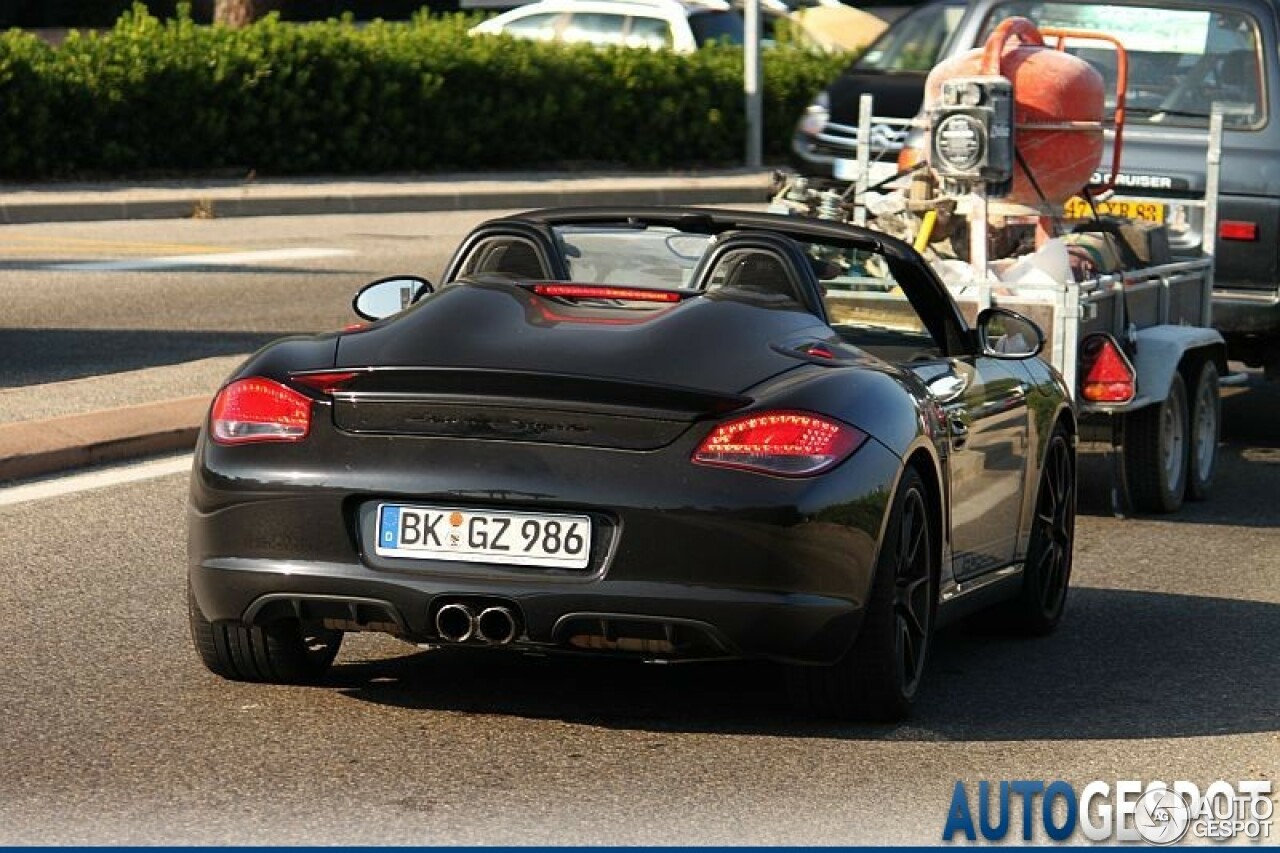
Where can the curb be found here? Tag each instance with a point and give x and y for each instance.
(35, 448)
(432, 197)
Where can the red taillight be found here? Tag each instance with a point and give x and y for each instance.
(596, 291)
(326, 382)
(1107, 375)
(259, 409)
(789, 444)
(1229, 229)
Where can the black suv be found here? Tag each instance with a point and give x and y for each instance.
(1184, 56)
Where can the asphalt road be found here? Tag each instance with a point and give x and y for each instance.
(1165, 668)
(85, 299)
(113, 733)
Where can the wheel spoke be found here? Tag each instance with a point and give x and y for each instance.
(905, 535)
(907, 657)
(1063, 493)
(917, 539)
(909, 609)
(1052, 590)
(1053, 476)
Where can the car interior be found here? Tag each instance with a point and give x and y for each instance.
(852, 290)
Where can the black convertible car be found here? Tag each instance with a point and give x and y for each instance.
(657, 433)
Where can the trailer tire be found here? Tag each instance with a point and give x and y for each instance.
(1206, 424)
(1155, 452)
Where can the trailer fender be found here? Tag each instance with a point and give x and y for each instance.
(1158, 352)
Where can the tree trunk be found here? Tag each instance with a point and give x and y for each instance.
(234, 13)
(242, 13)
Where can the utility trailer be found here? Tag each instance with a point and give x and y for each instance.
(1136, 347)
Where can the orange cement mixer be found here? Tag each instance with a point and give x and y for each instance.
(1059, 102)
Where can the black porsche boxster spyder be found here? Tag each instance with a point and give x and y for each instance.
(659, 433)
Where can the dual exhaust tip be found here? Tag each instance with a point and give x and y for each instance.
(458, 623)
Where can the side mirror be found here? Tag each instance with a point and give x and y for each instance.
(1007, 334)
(388, 296)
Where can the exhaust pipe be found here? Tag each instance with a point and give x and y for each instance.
(456, 623)
(496, 625)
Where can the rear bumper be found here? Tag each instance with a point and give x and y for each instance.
(1250, 323)
(1246, 312)
(700, 622)
(750, 566)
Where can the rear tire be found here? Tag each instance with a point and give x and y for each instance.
(281, 652)
(1155, 452)
(878, 677)
(1046, 574)
(1206, 421)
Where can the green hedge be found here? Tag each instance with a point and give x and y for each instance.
(163, 97)
(103, 13)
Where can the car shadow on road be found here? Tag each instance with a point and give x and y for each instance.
(1123, 665)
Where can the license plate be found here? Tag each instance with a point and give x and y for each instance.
(484, 536)
(1150, 211)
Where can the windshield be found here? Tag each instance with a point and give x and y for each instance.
(914, 41)
(1181, 62)
(637, 257)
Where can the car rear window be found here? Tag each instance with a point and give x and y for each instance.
(1181, 61)
(725, 27)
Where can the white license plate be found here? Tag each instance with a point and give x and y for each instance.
(484, 536)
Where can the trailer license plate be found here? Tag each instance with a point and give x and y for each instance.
(1149, 211)
(484, 536)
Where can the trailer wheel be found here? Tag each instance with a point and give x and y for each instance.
(1206, 419)
(1155, 452)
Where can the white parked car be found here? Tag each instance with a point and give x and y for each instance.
(672, 24)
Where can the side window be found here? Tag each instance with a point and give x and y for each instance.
(599, 28)
(509, 256)
(541, 26)
(649, 32)
(868, 307)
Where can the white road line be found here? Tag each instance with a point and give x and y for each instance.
(213, 259)
(115, 476)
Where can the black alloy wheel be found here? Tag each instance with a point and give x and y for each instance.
(1047, 569)
(913, 589)
(877, 678)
